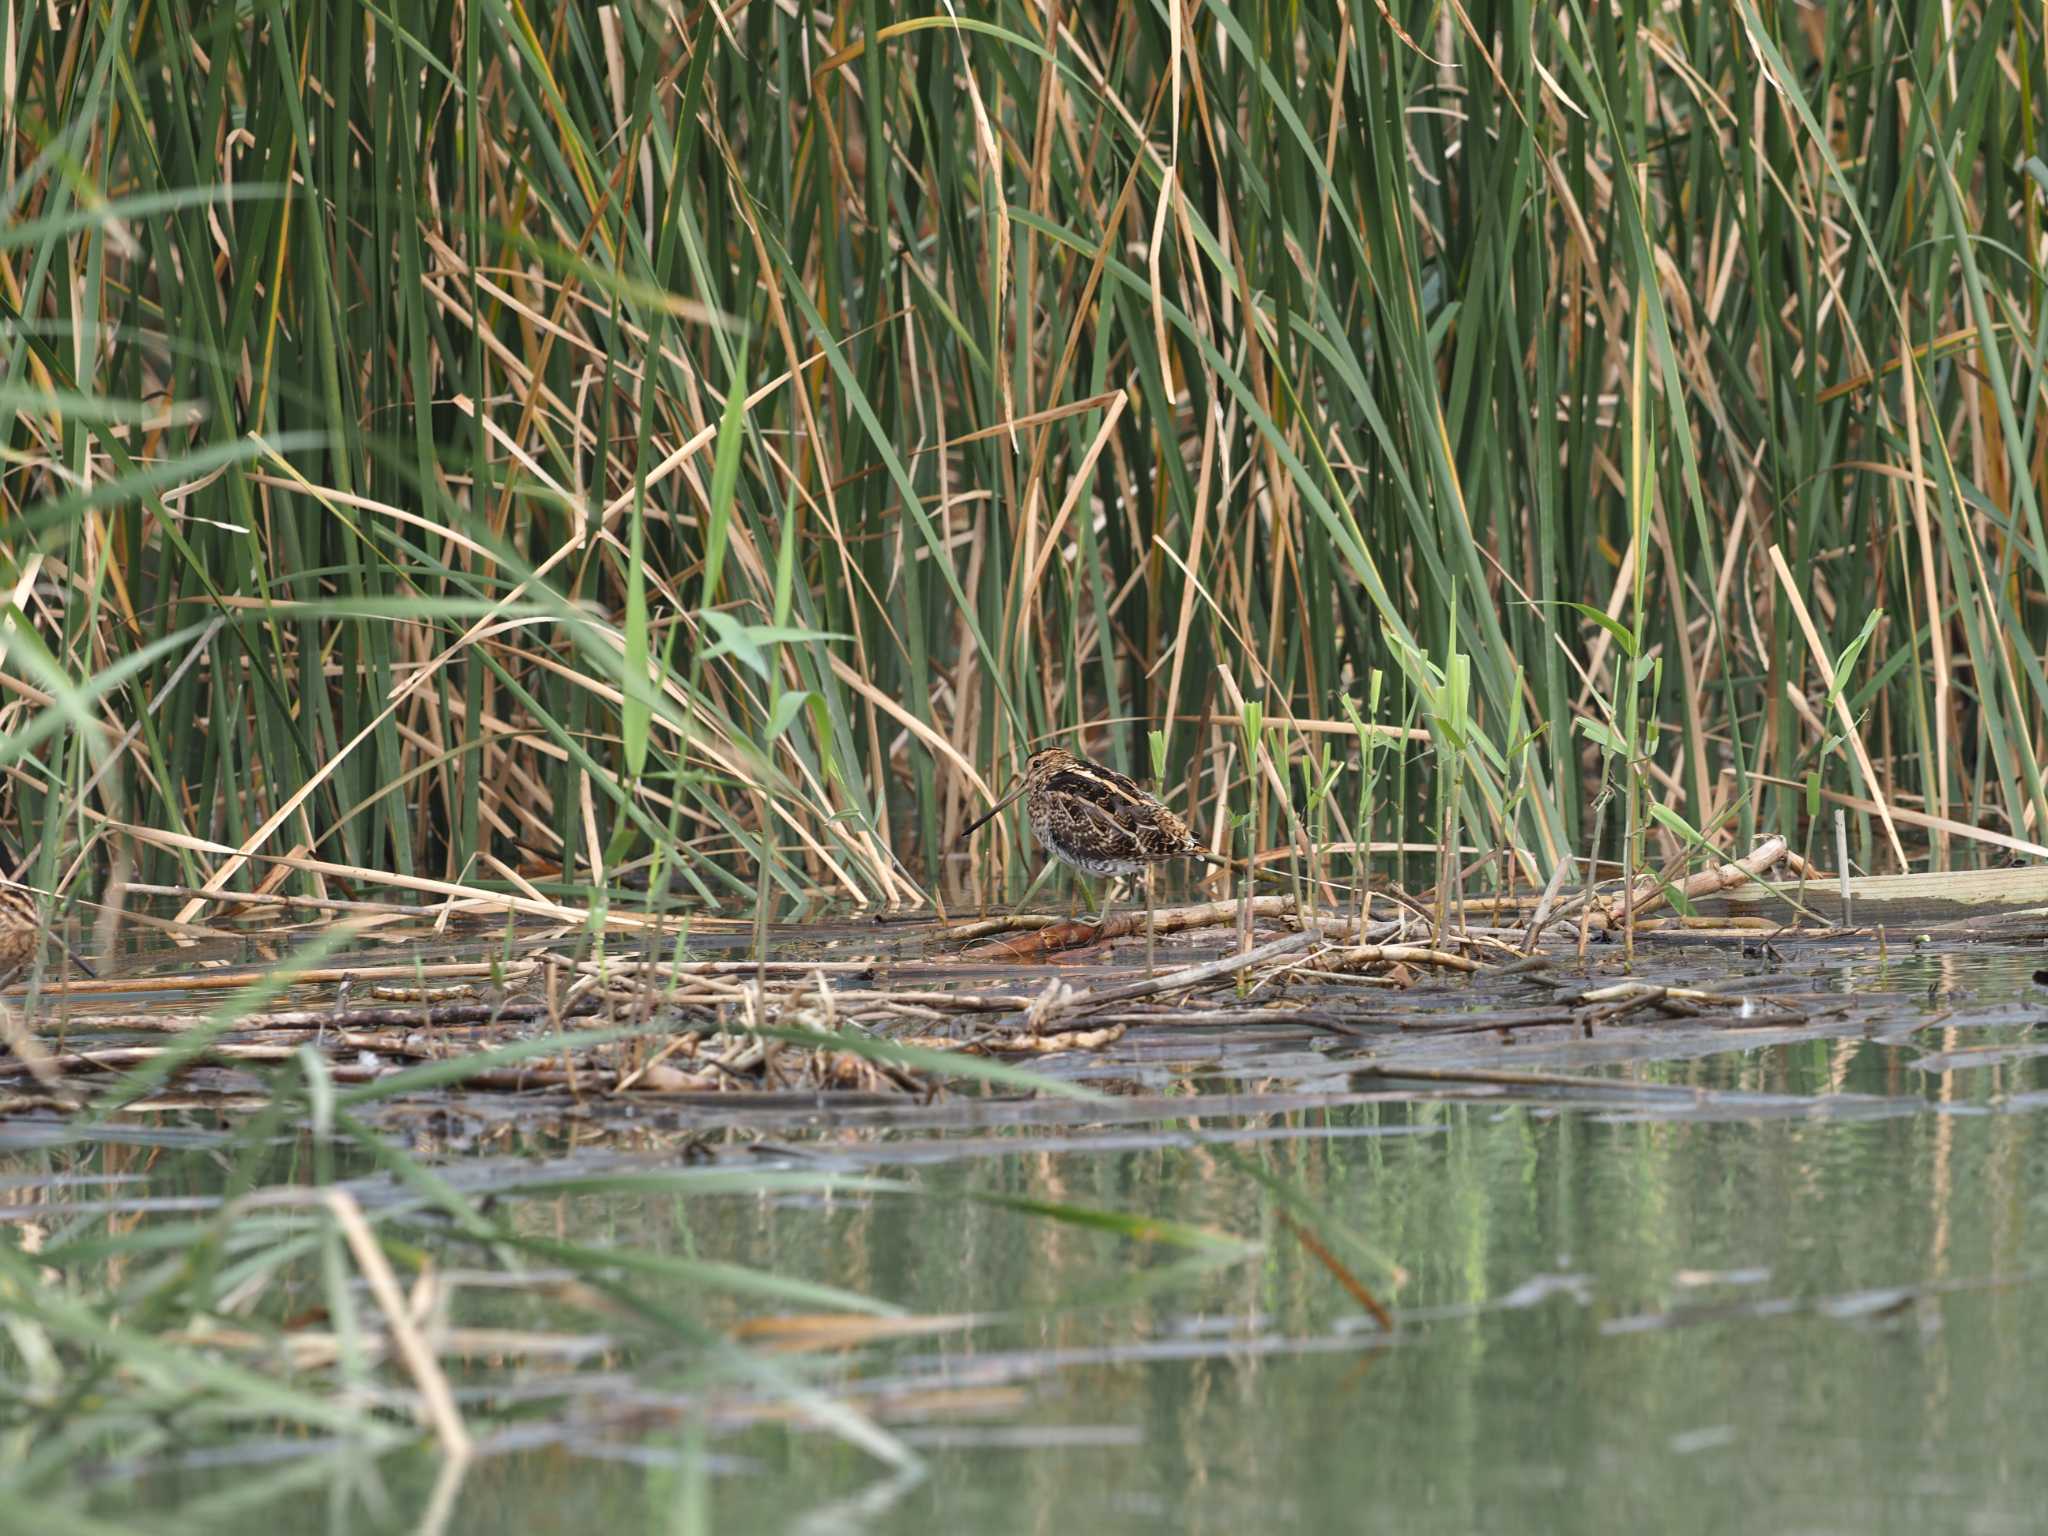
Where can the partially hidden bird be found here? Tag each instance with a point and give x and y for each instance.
(22, 932)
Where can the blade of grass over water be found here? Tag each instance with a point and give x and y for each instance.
(212, 1290)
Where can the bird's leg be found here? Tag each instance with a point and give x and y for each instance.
(1150, 922)
(1095, 910)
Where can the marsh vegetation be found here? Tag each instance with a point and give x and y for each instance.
(565, 491)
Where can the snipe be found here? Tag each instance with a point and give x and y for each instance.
(1095, 820)
(22, 933)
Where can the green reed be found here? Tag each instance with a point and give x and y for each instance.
(600, 436)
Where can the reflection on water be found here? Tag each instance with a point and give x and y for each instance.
(1799, 1302)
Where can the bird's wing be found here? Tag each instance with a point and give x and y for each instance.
(1103, 817)
(1111, 794)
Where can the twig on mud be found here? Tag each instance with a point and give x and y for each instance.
(1353, 956)
(1065, 934)
(1310, 1020)
(1179, 981)
(1020, 1043)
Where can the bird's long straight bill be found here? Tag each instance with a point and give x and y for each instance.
(993, 811)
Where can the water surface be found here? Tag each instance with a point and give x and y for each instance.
(1798, 1301)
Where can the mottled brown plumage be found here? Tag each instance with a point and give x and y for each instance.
(1095, 820)
(21, 933)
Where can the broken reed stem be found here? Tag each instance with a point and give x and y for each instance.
(1544, 904)
(1206, 972)
(1356, 955)
(1593, 867)
(1652, 893)
(1345, 1278)
(1180, 980)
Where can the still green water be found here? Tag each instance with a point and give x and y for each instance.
(1807, 1310)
